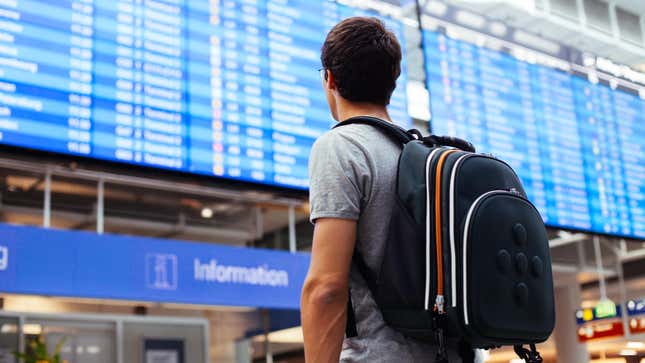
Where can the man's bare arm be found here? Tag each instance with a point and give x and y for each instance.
(326, 288)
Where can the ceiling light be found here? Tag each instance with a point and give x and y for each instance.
(593, 77)
(588, 60)
(8, 328)
(207, 213)
(498, 29)
(635, 345)
(287, 336)
(526, 5)
(536, 42)
(32, 329)
(628, 352)
(613, 83)
(588, 304)
(470, 19)
(93, 349)
(436, 8)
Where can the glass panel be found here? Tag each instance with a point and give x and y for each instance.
(82, 342)
(8, 338)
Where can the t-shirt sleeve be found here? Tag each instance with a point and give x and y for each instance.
(339, 176)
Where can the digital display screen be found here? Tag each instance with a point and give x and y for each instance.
(216, 87)
(577, 145)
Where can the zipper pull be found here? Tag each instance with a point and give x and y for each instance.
(442, 353)
(439, 304)
(439, 320)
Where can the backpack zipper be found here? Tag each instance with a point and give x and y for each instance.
(451, 226)
(439, 301)
(451, 216)
(429, 159)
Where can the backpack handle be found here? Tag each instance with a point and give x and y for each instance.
(403, 137)
(449, 141)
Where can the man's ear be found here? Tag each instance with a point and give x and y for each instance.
(331, 80)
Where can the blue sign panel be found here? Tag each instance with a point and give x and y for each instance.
(217, 87)
(584, 316)
(636, 307)
(80, 264)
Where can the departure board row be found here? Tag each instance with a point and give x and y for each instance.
(578, 146)
(228, 88)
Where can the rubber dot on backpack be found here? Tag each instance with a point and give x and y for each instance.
(521, 294)
(519, 234)
(537, 267)
(504, 261)
(521, 263)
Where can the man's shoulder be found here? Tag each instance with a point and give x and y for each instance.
(347, 132)
(361, 136)
(339, 139)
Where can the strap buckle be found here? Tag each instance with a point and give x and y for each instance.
(529, 356)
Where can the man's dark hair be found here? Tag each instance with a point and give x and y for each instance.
(365, 59)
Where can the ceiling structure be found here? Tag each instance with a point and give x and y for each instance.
(600, 27)
(637, 6)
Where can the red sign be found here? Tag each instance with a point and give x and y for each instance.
(637, 325)
(592, 331)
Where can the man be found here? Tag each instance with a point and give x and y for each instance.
(352, 172)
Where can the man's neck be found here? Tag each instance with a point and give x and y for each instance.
(352, 109)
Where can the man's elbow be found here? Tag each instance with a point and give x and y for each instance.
(325, 291)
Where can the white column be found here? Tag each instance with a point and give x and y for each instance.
(567, 301)
(47, 203)
(266, 321)
(292, 229)
(243, 351)
(100, 207)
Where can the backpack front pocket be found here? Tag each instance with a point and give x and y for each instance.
(507, 290)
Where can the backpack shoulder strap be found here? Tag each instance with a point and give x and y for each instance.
(398, 134)
(403, 137)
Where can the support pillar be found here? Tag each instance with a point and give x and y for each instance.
(266, 322)
(292, 229)
(243, 350)
(47, 202)
(565, 334)
(100, 206)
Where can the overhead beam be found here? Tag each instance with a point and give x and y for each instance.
(149, 183)
(571, 268)
(567, 239)
(212, 233)
(34, 186)
(633, 255)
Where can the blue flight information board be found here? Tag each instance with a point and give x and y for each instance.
(228, 88)
(577, 145)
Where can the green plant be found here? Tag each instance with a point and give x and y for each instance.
(37, 352)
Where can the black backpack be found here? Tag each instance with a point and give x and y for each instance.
(467, 255)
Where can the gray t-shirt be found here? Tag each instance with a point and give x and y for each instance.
(352, 176)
